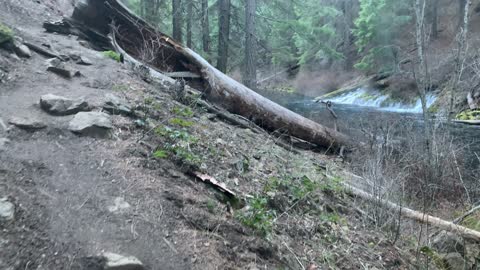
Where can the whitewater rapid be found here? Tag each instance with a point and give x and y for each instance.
(375, 99)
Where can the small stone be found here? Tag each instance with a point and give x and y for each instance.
(27, 124)
(94, 124)
(7, 210)
(116, 105)
(84, 61)
(56, 66)
(21, 50)
(58, 105)
(115, 261)
(119, 204)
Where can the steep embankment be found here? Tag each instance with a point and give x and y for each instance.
(122, 182)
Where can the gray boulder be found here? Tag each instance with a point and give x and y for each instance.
(116, 105)
(446, 242)
(58, 105)
(27, 123)
(115, 261)
(7, 210)
(56, 66)
(3, 143)
(94, 124)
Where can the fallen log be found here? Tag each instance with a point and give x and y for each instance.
(160, 52)
(416, 215)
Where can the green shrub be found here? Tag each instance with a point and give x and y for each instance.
(180, 122)
(469, 115)
(6, 34)
(112, 55)
(160, 154)
(258, 216)
(185, 112)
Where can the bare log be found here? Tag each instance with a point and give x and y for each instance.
(133, 35)
(416, 215)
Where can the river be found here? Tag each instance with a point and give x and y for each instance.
(353, 118)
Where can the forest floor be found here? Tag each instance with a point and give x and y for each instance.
(133, 194)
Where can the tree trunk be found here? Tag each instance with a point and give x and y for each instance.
(435, 19)
(250, 78)
(461, 12)
(177, 20)
(205, 27)
(189, 23)
(131, 34)
(223, 34)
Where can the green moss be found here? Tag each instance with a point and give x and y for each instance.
(6, 34)
(469, 115)
(112, 55)
(434, 108)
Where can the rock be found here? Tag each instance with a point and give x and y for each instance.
(94, 124)
(118, 262)
(453, 261)
(3, 143)
(21, 50)
(446, 242)
(84, 61)
(58, 105)
(116, 105)
(56, 65)
(119, 204)
(7, 210)
(27, 124)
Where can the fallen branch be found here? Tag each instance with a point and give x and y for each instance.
(467, 214)
(415, 215)
(40, 50)
(212, 181)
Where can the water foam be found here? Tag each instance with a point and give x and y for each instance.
(375, 99)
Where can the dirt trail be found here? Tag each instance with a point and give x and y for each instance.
(62, 184)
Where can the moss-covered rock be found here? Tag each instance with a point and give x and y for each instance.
(469, 115)
(6, 34)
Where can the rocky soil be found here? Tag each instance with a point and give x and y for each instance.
(101, 170)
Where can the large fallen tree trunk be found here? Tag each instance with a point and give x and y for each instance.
(161, 53)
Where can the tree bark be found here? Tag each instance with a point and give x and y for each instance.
(205, 27)
(223, 34)
(177, 20)
(250, 78)
(461, 12)
(189, 23)
(435, 19)
(132, 33)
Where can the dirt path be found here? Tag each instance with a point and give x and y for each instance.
(62, 185)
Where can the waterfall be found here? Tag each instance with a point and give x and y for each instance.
(376, 99)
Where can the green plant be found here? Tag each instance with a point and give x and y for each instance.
(177, 143)
(469, 115)
(112, 55)
(181, 122)
(333, 185)
(258, 216)
(211, 206)
(6, 34)
(185, 112)
(160, 154)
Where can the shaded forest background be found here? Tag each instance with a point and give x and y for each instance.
(313, 46)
